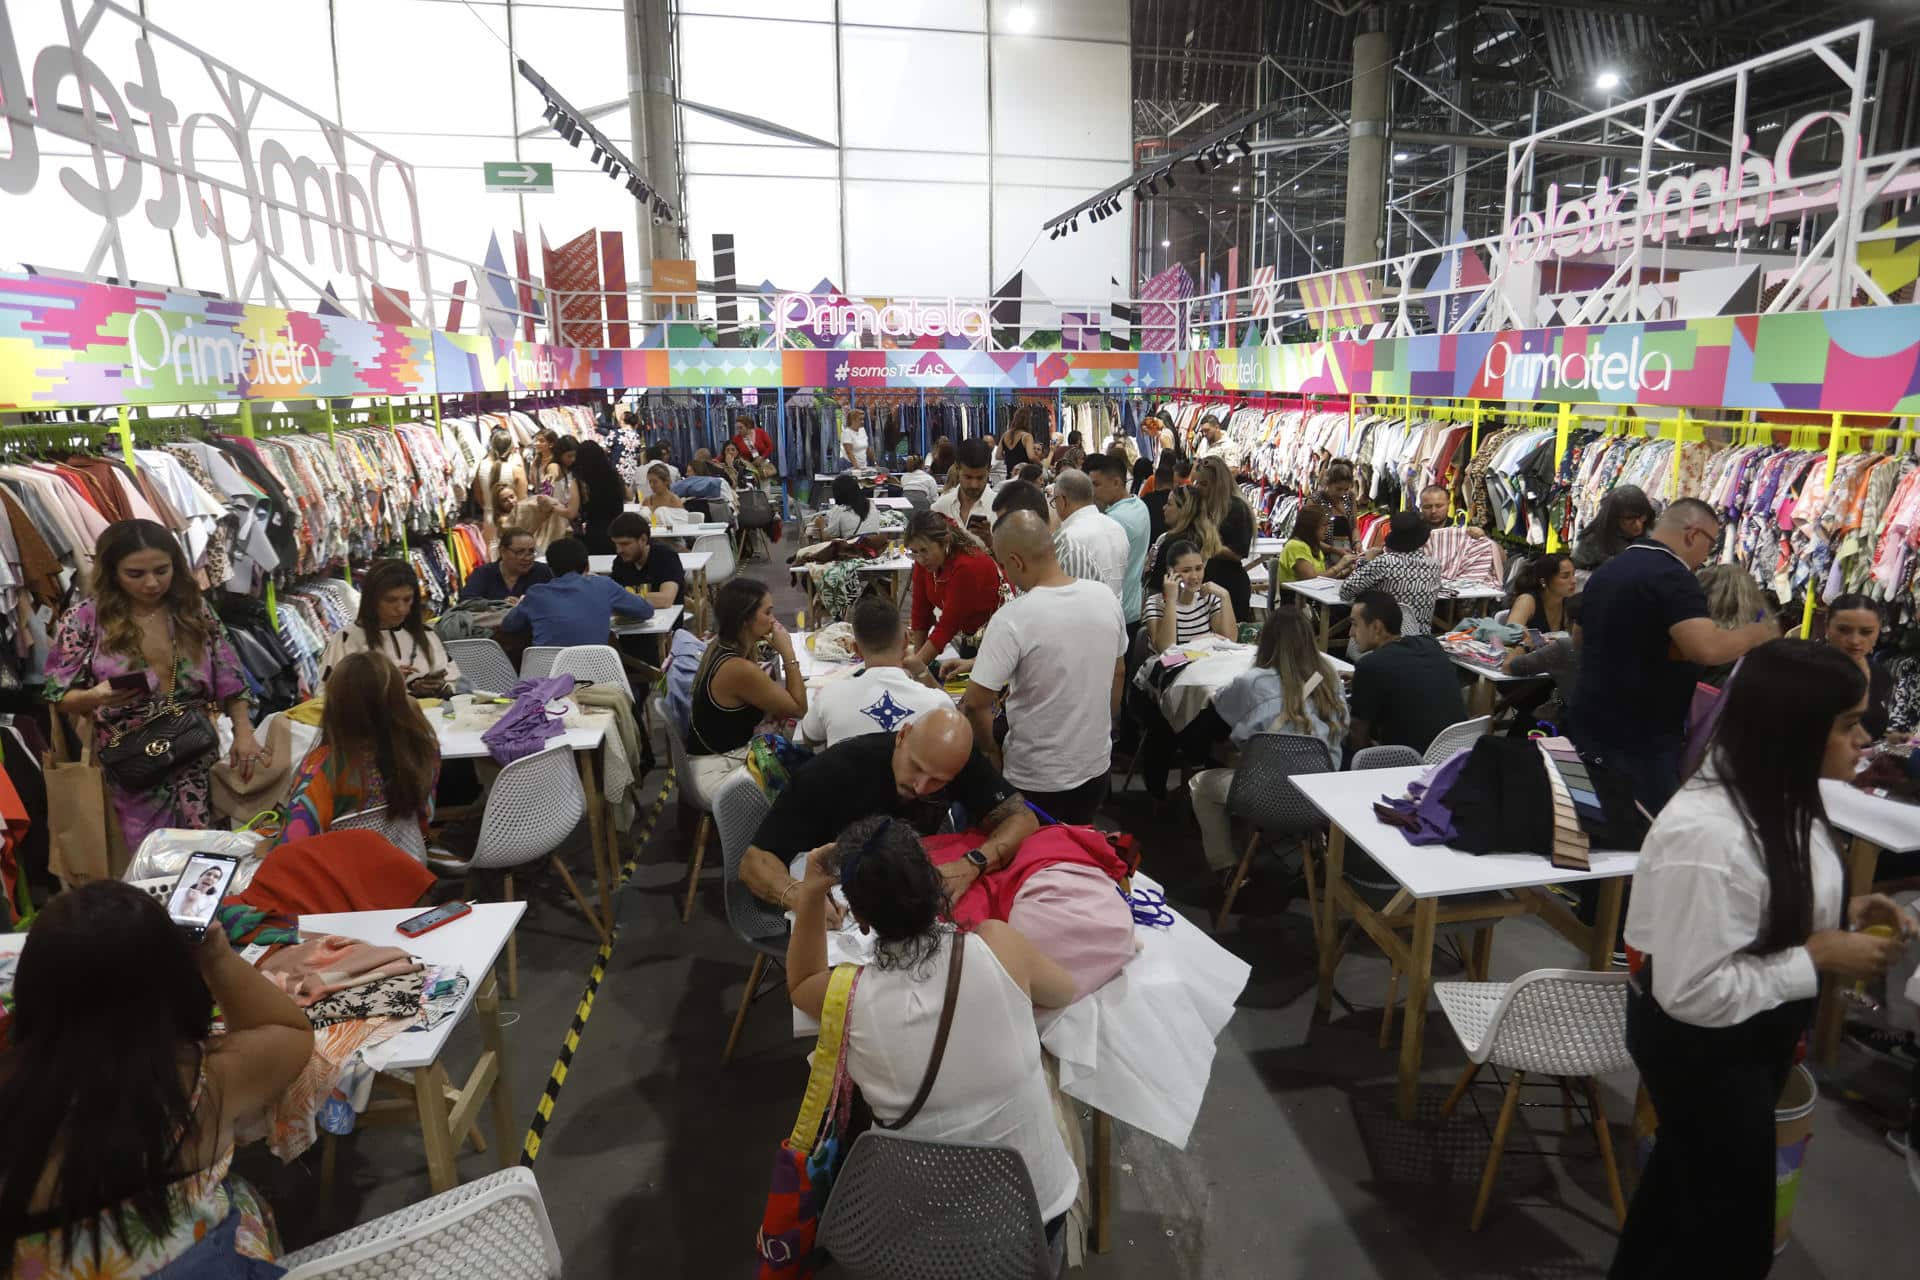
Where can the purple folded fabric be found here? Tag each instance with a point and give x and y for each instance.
(1425, 804)
(527, 726)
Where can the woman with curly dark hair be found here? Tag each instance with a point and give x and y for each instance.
(988, 1085)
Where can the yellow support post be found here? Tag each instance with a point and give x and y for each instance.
(125, 431)
(1833, 461)
(1563, 427)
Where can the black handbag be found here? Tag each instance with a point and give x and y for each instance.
(177, 736)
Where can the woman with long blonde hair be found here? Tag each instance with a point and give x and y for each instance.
(142, 644)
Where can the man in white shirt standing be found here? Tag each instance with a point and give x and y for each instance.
(969, 503)
(1088, 544)
(1215, 443)
(1058, 652)
(878, 699)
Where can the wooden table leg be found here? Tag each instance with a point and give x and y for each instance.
(1606, 923)
(1413, 1027)
(599, 832)
(500, 1096)
(1329, 943)
(1100, 1180)
(430, 1100)
(1830, 1020)
(698, 597)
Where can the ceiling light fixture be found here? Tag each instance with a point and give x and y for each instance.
(1203, 161)
(1607, 81)
(1246, 147)
(1400, 157)
(1166, 244)
(1236, 188)
(1020, 20)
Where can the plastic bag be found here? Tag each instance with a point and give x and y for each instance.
(165, 852)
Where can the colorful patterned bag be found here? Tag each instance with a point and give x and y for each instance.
(805, 1165)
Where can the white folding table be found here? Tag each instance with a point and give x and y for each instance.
(1874, 823)
(1428, 873)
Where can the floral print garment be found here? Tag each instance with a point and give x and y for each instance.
(324, 789)
(78, 662)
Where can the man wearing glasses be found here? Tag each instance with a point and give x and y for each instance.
(1646, 634)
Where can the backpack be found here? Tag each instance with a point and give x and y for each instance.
(469, 619)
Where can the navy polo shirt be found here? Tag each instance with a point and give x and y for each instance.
(1634, 688)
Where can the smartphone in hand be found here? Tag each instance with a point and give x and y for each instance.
(197, 893)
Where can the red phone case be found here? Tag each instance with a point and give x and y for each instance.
(466, 909)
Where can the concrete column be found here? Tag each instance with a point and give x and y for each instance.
(1367, 147)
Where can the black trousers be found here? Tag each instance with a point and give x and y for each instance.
(1162, 746)
(1075, 807)
(1704, 1206)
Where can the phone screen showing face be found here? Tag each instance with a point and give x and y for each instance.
(196, 894)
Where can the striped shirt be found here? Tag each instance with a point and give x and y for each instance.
(1190, 620)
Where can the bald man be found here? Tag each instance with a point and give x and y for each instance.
(915, 773)
(1057, 651)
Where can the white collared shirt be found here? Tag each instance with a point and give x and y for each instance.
(1092, 545)
(877, 700)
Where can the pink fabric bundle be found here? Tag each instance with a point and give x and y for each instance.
(315, 968)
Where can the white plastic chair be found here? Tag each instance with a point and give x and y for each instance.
(493, 1227)
(724, 563)
(537, 661)
(484, 663)
(599, 663)
(402, 833)
(912, 1207)
(532, 807)
(677, 757)
(1567, 1023)
(1456, 736)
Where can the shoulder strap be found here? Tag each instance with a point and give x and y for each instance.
(827, 1051)
(956, 954)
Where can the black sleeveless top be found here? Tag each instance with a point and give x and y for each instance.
(717, 730)
(1016, 456)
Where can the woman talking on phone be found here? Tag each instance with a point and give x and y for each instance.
(143, 645)
(1738, 907)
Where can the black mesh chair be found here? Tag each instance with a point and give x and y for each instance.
(1263, 794)
(756, 519)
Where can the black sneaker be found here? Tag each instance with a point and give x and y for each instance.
(1896, 1047)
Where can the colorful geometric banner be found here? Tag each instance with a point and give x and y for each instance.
(66, 343)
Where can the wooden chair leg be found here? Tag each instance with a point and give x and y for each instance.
(1482, 953)
(1459, 1089)
(1500, 1130)
(1233, 885)
(1604, 1138)
(700, 834)
(586, 908)
(1386, 1014)
(1566, 1105)
(746, 999)
(513, 943)
(1310, 872)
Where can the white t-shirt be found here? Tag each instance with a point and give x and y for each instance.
(1052, 649)
(857, 437)
(877, 700)
(920, 482)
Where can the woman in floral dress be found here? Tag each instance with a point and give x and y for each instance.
(146, 618)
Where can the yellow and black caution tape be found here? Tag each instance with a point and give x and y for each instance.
(570, 1045)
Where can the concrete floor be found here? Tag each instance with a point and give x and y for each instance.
(656, 1158)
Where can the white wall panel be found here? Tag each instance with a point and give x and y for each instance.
(581, 53)
(797, 10)
(914, 89)
(916, 239)
(423, 67)
(232, 31)
(785, 229)
(779, 71)
(1074, 268)
(926, 15)
(1062, 98)
(1070, 19)
(916, 166)
(773, 160)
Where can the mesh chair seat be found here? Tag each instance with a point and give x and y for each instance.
(495, 1226)
(935, 1210)
(597, 663)
(484, 663)
(1263, 792)
(1562, 1022)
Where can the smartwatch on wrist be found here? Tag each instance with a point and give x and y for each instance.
(978, 859)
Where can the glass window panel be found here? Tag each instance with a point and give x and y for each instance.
(1064, 19)
(1062, 98)
(914, 239)
(935, 15)
(798, 10)
(778, 71)
(424, 67)
(915, 90)
(786, 230)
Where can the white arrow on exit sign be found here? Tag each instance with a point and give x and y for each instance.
(516, 175)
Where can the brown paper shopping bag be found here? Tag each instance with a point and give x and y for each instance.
(83, 834)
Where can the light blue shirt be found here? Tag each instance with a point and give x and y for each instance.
(1251, 701)
(574, 609)
(1131, 514)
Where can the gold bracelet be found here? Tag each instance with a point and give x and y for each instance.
(782, 900)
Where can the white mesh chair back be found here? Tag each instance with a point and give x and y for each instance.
(1562, 1022)
(1454, 737)
(722, 566)
(934, 1211)
(599, 663)
(1386, 757)
(402, 833)
(532, 807)
(537, 661)
(676, 748)
(484, 663)
(1262, 792)
(738, 810)
(493, 1227)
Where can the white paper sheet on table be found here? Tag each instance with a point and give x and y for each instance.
(1140, 1048)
